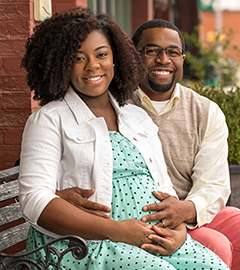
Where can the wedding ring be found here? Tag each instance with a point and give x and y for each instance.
(158, 254)
(164, 226)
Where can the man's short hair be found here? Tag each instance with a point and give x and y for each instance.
(157, 23)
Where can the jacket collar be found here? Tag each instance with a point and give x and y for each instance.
(81, 111)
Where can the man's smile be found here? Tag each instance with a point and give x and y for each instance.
(158, 72)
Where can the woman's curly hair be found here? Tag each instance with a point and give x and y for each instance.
(51, 52)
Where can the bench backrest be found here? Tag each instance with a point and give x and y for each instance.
(13, 229)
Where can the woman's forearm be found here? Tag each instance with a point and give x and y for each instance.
(63, 218)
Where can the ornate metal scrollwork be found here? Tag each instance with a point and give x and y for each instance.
(76, 245)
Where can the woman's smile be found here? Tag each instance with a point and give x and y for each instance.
(94, 79)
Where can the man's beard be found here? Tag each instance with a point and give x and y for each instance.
(160, 88)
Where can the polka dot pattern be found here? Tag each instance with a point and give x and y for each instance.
(132, 189)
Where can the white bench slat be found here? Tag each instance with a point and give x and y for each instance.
(10, 213)
(9, 190)
(13, 236)
(9, 173)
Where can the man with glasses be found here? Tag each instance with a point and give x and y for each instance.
(194, 134)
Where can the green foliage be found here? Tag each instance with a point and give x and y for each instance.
(209, 61)
(229, 102)
(211, 65)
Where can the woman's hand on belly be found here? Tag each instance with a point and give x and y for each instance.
(133, 232)
(166, 240)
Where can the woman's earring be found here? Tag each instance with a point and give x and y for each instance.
(113, 65)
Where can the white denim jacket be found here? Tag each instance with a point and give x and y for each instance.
(65, 145)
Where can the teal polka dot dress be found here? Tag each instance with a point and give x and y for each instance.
(132, 189)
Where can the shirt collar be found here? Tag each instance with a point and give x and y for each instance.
(146, 101)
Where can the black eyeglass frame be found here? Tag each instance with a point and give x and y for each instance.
(143, 49)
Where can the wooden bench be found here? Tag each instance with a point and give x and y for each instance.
(14, 229)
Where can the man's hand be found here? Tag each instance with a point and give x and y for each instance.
(76, 196)
(166, 241)
(171, 211)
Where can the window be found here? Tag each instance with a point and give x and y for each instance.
(120, 9)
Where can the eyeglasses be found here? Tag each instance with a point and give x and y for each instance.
(155, 51)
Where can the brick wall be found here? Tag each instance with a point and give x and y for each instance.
(16, 104)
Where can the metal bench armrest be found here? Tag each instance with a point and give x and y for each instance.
(76, 245)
